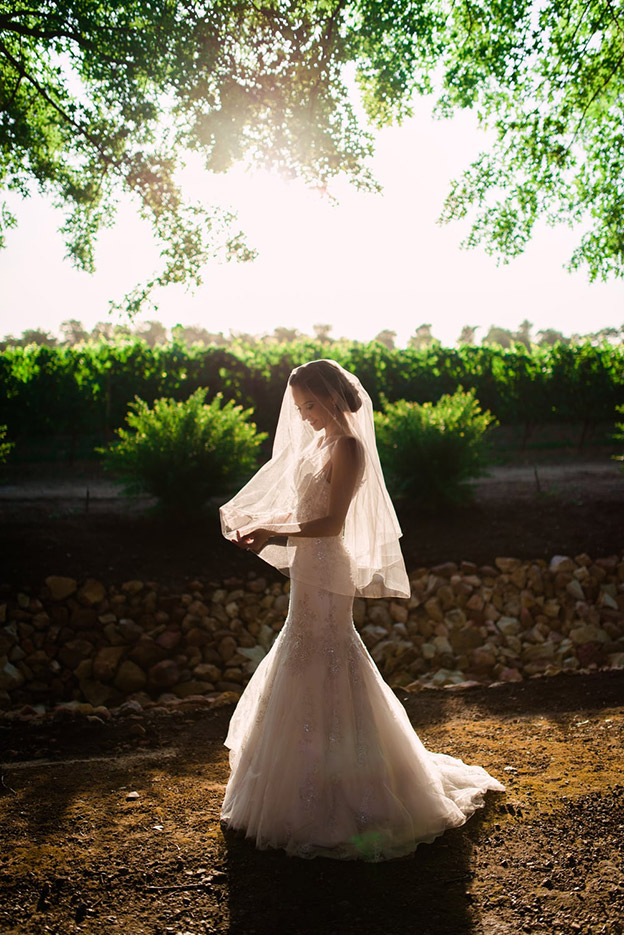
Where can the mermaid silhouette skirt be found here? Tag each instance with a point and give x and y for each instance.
(324, 761)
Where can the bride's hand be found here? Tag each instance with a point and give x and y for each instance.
(252, 542)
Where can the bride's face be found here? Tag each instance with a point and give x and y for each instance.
(317, 410)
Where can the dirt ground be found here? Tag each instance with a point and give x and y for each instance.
(79, 855)
(48, 525)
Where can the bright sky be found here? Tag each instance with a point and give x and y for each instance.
(370, 263)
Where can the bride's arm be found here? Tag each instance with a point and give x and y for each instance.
(345, 462)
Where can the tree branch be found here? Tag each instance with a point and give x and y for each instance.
(592, 99)
(80, 40)
(614, 16)
(107, 158)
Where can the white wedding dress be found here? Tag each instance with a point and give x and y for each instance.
(324, 761)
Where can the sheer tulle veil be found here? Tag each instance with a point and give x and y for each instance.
(273, 498)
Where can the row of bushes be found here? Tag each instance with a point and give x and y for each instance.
(184, 452)
(87, 390)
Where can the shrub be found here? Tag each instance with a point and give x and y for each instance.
(619, 434)
(5, 446)
(184, 452)
(429, 450)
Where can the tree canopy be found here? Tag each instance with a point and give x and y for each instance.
(98, 98)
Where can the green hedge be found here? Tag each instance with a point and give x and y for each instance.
(87, 389)
(182, 453)
(430, 451)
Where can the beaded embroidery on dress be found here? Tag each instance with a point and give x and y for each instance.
(324, 761)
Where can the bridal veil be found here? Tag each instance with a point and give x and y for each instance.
(275, 496)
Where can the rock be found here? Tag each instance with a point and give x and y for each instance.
(379, 614)
(590, 653)
(475, 604)
(442, 645)
(96, 693)
(434, 609)
(226, 698)
(266, 638)
(146, 652)
(445, 677)
(60, 587)
(164, 674)
(536, 651)
(83, 618)
(129, 630)
(561, 563)
(83, 670)
(609, 563)
(281, 604)
(509, 626)
(130, 708)
(446, 597)
(74, 651)
(607, 600)
(132, 587)
(227, 647)
(455, 619)
(224, 686)
(196, 637)
(132, 796)
(206, 672)
(468, 568)
(483, 658)
(10, 676)
(514, 644)
(466, 639)
(588, 634)
(445, 570)
(552, 608)
(255, 655)
(372, 633)
(130, 677)
(575, 590)
(233, 674)
(169, 639)
(232, 609)
(398, 612)
(509, 675)
(507, 565)
(106, 662)
(257, 585)
(428, 651)
(92, 591)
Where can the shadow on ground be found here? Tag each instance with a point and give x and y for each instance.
(80, 855)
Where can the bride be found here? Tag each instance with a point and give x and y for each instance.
(324, 761)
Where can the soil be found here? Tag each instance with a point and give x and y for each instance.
(74, 522)
(80, 855)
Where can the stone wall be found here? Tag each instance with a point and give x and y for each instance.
(98, 646)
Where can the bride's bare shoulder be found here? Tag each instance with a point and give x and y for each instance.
(346, 447)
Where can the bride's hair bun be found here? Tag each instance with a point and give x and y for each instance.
(323, 378)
